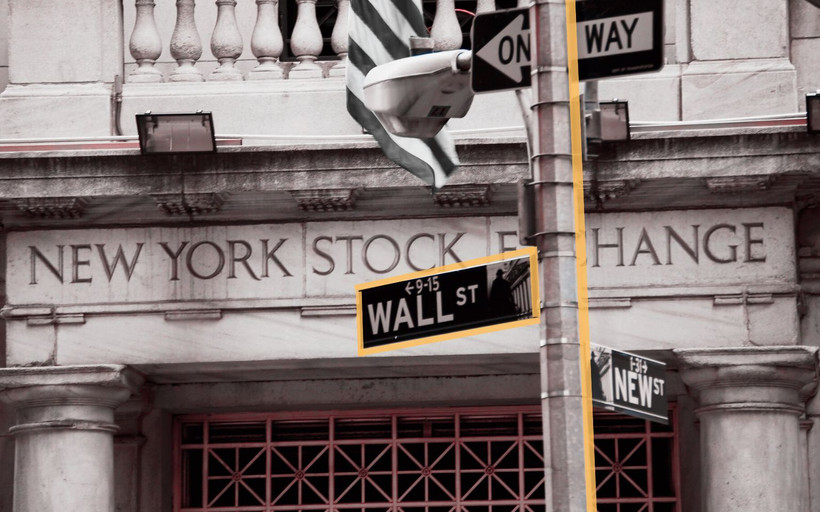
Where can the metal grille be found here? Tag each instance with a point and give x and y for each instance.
(450, 460)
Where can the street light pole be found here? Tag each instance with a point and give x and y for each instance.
(561, 353)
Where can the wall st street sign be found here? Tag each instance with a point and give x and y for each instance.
(461, 299)
(629, 384)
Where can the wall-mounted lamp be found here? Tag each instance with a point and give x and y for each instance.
(614, 120)
(176, 133)
(813, 112)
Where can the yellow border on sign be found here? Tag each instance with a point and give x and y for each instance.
(580, 252)
(518, 253)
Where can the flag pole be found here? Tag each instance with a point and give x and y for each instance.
(558, 199)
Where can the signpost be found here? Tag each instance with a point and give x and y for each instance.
(461, 299)
(629, 383)
(615, 37)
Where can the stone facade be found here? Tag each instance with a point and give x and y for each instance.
(139, 290)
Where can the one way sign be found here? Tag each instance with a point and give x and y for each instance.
(501, 57)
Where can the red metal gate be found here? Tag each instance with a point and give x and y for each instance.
(442, 460)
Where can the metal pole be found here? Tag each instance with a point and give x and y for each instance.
(561, 389)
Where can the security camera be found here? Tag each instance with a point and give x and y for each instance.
(415, 96)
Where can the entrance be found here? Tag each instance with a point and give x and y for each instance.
(442, 460)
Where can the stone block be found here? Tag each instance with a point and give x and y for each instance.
(742, 88)
(775, 323)
(55, 111)
(651, 96)
(31, 346)
(739, 29)
(59, 42)
(806, 60)
(804, 19)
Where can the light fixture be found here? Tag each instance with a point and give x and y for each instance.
(614, 120)
(813, 112)
(176, 133)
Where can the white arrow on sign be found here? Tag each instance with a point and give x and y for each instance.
(509, 50)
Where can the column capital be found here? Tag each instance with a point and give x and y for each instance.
(750, 377)
(107, 385)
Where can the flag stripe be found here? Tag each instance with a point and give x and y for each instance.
(359, 58)
(413, 16)
(397, 48)
(393, 151)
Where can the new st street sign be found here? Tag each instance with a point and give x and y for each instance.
(615, 37)
(461, 299)
(628, 383)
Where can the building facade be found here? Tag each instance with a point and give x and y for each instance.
(179, 330)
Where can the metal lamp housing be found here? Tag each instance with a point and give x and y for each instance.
(415, 96)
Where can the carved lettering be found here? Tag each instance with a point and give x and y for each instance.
(271, 256)
(322, 254)
(76, 263)
(707, 237)
(396, 254)
(747, 231)
(448, 248)
(174, 255)
(349, 240)
(690, 250)
(189, 260)
(56, 270)
(409, 245)
(127, 267)
(596, 246)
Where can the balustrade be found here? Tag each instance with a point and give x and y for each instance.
(230, 21)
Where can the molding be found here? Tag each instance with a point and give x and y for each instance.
(189, 204)
(52, 207)
(330, 200)
(606, 190)
(738, 184)
(464, 196)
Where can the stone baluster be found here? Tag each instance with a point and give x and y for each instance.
(485, 6)
(446, 32)
(266, 42)
(338, 39)
(145, 44)
(186, 47)
(226, 42)
(306, 41)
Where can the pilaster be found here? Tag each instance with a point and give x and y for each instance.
(64, 446)
(751, 399)
(740, 65)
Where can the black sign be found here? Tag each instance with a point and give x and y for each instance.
(619, 37)
(456, 300)
(501, 50)
(629, 383)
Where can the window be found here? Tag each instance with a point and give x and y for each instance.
(452, 460)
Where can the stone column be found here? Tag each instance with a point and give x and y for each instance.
(64, 448)
(751, 399)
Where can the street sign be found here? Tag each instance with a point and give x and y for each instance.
(628, 383)
(462, 299)
(615, 37)
(501, 50)
(619, 37)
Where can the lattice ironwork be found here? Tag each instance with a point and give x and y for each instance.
(455, 460)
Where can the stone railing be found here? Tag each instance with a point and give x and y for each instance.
(247, 41)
